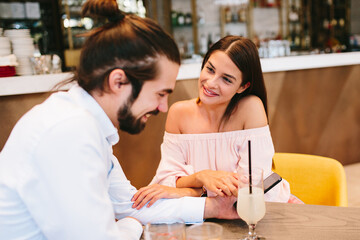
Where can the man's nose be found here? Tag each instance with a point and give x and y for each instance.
(163, 106)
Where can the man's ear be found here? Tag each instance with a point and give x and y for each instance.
(117, 79)
(243, 88)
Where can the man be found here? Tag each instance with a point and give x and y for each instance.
(58, 176)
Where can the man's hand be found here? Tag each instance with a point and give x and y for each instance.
(154, 192)
(220, 207)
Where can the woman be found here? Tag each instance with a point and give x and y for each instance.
(206, 138)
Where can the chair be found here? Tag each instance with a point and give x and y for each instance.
(314, 179)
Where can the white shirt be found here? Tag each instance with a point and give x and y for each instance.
(60, 180)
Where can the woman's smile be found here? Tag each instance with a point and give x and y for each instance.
(209, 93)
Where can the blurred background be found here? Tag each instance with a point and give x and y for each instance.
(278, 27)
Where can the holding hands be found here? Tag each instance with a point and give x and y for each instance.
(222, 183)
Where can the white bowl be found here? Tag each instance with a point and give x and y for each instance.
(5, 51)
(17, 32)
(23, 52)
(22, 40)
(5, 46)
(23, 47)
(18, 36)
(4, 39)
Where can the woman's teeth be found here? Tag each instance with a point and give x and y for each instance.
(209, 92)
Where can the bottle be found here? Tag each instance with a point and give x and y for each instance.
(292, 38)
(234, 17)
(210, 42)
(242, 14)
(180, 19)
(174, 18)
(341, 22)
(201, 16)
(297, 40)
(141, 9)
(55, 64)
(227, 15)
(203, 44)
(293, 14)
(181, 46)
(190, 49)
(188, 19)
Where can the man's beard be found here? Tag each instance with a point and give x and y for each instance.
(128, 122)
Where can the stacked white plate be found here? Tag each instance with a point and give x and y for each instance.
(5, 48)
(23, 48)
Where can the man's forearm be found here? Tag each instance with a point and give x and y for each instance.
(210, 209)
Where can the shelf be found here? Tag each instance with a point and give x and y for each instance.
(235, 23)
(24, 1)
(184, 26)
(19, 19)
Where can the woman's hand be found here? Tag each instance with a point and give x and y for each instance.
(154, 192)
(222, 183)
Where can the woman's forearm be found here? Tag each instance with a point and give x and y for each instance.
(192, 192)
(191, 181)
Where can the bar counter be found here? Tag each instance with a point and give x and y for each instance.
(44, 83)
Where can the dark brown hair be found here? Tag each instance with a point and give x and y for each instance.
(126, 41)
(244, 55)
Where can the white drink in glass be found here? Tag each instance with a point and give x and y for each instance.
(251, 207)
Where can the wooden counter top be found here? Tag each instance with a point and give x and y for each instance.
(294, 221)
(44, 83)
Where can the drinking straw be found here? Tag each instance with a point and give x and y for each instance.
(250, 177)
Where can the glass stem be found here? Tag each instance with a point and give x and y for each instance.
(252, 233)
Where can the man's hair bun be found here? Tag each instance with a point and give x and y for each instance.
(108, 9)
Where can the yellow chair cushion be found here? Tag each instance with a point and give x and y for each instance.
(314, 179)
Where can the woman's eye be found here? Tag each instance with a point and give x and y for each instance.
(210, 69)
(227, 80)
(161, 94)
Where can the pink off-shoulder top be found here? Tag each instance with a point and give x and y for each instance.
(185, 154)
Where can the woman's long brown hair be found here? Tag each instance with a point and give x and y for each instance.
(244, 55)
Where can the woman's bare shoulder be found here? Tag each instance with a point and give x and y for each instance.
(251, 110)
(178, 114)
(182, 106)
(251, 101)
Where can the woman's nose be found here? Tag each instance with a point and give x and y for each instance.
(212, 82)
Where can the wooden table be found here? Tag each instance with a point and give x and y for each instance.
(295, 221)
